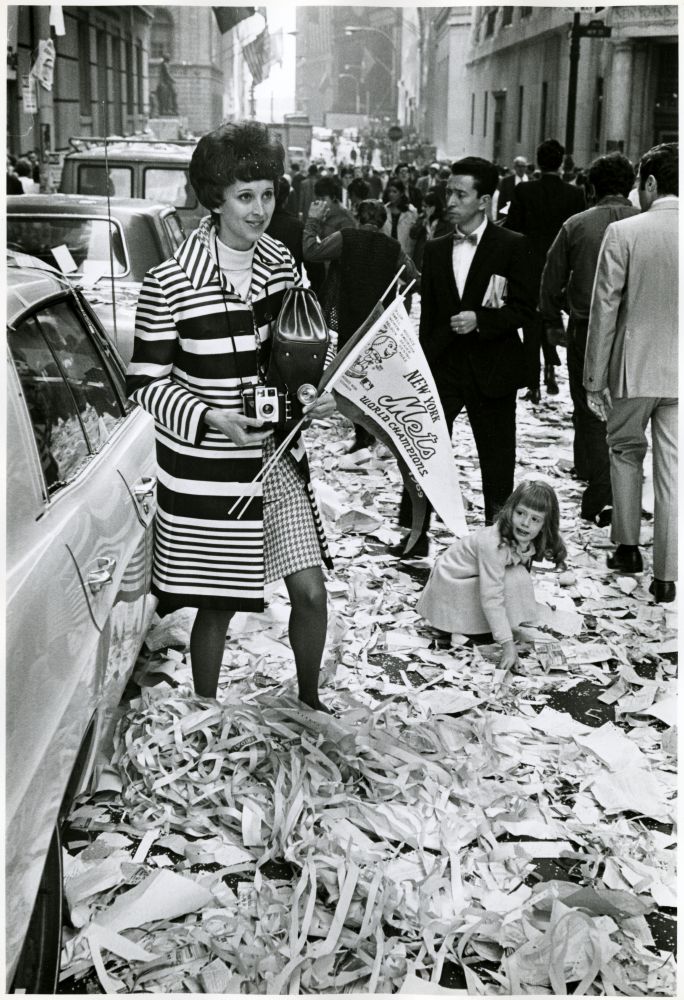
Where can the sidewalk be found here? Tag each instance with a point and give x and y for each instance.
(495, 835)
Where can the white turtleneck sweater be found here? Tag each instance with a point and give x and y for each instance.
(236, 265)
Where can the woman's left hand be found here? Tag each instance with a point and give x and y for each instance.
(324, 406)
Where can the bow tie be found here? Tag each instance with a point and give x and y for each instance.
(461, 238)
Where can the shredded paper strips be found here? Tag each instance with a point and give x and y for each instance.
(449, 830)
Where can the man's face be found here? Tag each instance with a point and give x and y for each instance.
(520, 167)
(403, 174)
(464, 204)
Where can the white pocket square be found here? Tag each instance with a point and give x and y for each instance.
(495, 295)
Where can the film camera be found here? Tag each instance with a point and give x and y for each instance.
(267, 403)
(297, 357)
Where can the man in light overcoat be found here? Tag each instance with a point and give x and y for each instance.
(630, 370)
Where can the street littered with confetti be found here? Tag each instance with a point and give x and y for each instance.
(448, 830)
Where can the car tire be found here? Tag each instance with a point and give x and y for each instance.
(38, 967)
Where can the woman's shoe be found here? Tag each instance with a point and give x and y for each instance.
(550, 380)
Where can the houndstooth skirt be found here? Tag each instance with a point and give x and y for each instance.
(290, 539)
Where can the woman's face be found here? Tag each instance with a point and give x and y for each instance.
(429, 211)
(393, 195)
(245, 213)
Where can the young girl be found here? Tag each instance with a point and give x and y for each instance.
(481, 583)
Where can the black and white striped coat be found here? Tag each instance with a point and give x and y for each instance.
(195, 348)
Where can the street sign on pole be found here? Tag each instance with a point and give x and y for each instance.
(595, 29)
(395, 133)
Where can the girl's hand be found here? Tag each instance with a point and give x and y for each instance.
(509, 655)
(241, 430)
(321, 407)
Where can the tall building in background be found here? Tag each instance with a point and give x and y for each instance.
(359, 62)
(517, 76)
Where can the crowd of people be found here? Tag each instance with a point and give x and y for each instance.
(23, 173)
(498, 262)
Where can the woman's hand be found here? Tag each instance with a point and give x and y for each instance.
(241, 430)
(324, 406)
(509, 655)
(318, 210)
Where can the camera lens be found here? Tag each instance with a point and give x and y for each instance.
(267, 409)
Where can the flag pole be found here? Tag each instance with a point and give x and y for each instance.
(393, 281)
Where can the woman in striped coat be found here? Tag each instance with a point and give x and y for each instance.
(202, 338)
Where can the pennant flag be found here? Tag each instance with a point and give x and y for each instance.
(257, 55)
(228, 17)
(383, 382)
(43, 69)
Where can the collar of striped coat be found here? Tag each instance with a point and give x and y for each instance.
(196, 258)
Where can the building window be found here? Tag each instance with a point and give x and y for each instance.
(161, 37)
(84, 90)
(506, 16)
(472, 114)
(141, 87)
(484, 115)
(598, 120)
(117, 95)
(525, 12)
(130, 78)
(102, 74)
(544, 110)
(490, 22)
(521, 98)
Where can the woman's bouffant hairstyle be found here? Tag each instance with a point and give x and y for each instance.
(235, 151)
(539, 496)
(372, 212)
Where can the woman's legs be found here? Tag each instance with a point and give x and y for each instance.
(207, 643)
(308, 626)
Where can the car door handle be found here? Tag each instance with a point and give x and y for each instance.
(143, 490)
(144, 487)
(100, 577)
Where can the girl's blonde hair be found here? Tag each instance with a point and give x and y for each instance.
(539, 496)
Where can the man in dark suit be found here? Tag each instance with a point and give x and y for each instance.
(508, 185)
(477, 291)
(538, 210)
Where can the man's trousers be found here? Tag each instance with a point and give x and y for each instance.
(626, 433)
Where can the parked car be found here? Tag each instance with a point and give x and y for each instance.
(80, 505)
(123, 238)
(134, 168)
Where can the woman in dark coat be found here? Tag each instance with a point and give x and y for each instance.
(203, 330)
(432, 223)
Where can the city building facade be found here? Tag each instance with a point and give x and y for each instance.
(518, 70)
(99, 75)
(445, 103)
(190, 37)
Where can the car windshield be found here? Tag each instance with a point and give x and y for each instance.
(86, 240)
(93, 179)
(169, 184)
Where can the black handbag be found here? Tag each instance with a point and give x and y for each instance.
(299, 346)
